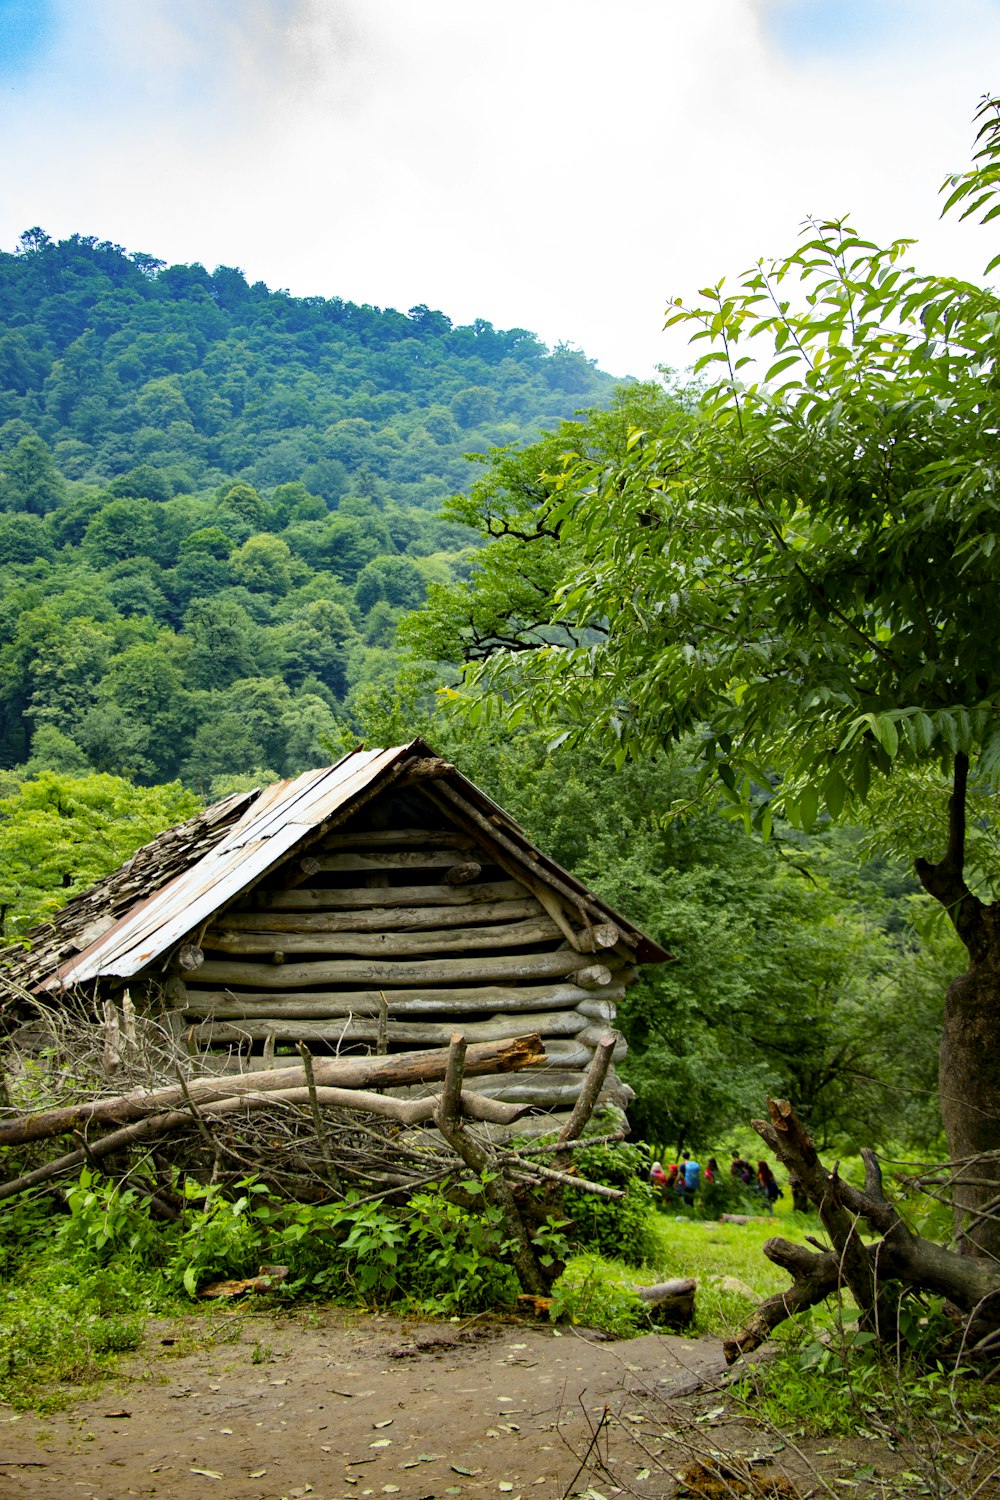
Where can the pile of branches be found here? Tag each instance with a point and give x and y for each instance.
(877, 1274)
(316, 1129)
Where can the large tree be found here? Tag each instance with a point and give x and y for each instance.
(802, 567)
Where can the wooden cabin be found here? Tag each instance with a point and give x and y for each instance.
(379, 904)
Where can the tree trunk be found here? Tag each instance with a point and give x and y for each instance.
(970, 1043)
(970, 1091)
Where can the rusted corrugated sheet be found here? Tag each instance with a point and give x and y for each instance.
(278, 819)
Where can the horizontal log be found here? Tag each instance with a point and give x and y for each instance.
(551, 1087)
(554, 1023)
(425, 971)
(592, 1035)
(663, 1291)
(378, 919)
(546, 1091)
(567, 1052)
(671, 1302)
(596, 1005)
(385, 863)
(315, 898)
(384, 944)
(398, 1071)
(587, 1039)
(225, 1005)
(401, 838)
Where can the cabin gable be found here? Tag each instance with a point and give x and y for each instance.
(379, 906)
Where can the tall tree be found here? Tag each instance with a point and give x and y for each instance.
(801, 567)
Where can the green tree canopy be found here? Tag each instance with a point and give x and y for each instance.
(60, 833)
(799, 567)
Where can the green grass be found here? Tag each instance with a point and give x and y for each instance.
(712, 1252)
(594, 1289)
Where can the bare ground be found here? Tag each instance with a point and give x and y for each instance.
(329, 1405)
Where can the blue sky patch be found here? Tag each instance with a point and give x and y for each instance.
(26, 27)
(827, 28)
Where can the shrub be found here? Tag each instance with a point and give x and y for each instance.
(615, 1227)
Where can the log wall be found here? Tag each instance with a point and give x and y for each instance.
(394, 936)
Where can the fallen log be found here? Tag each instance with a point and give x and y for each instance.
(407, 1112)
(399, 1071)
(874, 1273)
(670, 1302)
(267, 1278)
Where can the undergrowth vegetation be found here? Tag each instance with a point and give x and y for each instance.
(83, 1273)
(81, 1283)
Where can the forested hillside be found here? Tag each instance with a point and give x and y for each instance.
(216, 499)
(216, 504)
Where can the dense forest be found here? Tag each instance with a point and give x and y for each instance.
(217, 505)
(215, 501)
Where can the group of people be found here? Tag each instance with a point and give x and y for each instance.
(762, 1181)
(682, 1179)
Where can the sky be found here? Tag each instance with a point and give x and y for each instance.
(566, 166)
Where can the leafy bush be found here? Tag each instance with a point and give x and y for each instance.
(433, 1254)
(619, 1227)
(108, 1222)
(223, 1239)
(595, 1292)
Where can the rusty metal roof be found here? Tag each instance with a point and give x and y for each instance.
(278, 818)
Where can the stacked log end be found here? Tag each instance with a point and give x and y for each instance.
(433, 923)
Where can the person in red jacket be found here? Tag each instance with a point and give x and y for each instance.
(767, 1183)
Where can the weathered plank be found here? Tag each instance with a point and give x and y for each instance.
(558, 1023)
(417, 971)
(320, 1005)
(388, 860)
(311, 898)
(379, 919)
(397, 838)
(384, 944)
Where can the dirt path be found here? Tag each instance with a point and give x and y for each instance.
(331, 1406)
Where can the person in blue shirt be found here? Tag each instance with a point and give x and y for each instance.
(692, 1176)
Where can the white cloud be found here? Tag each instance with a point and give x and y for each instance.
(563, 165)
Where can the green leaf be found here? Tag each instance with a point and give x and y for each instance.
(834, 792)
(781, 364)
(808, 807)
(884, 730)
